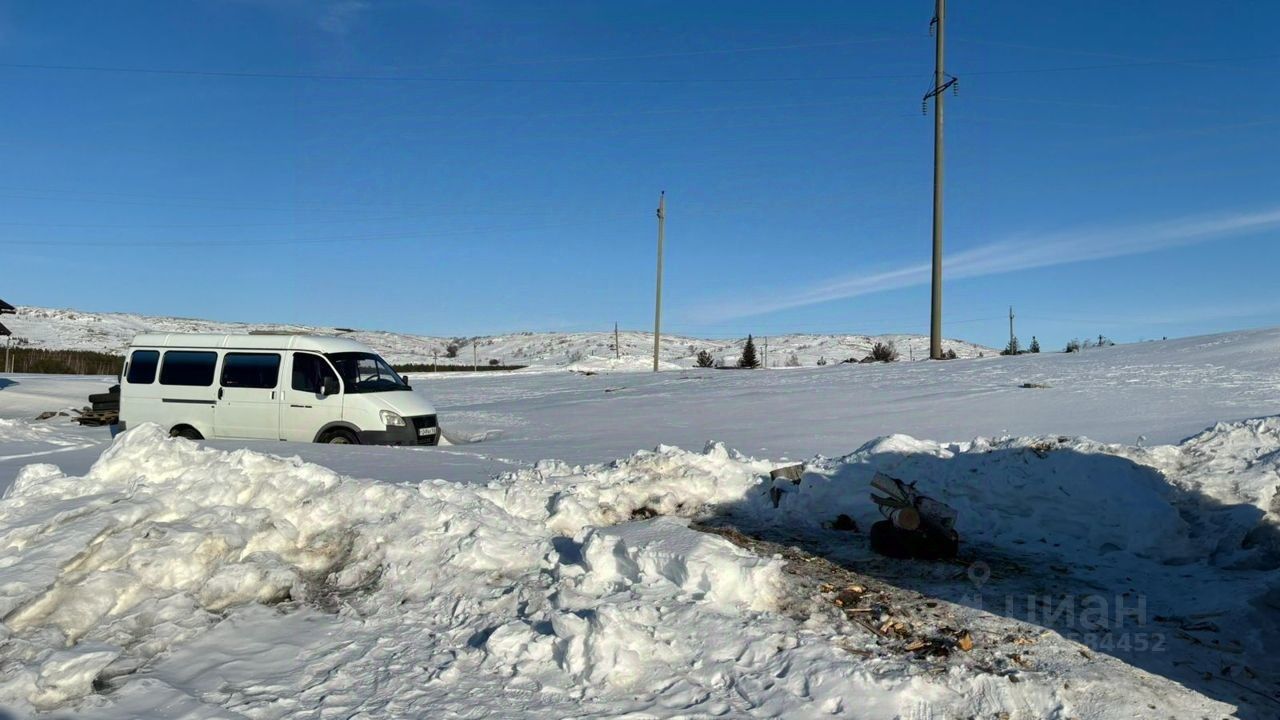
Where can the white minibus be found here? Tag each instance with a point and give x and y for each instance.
(263, 386)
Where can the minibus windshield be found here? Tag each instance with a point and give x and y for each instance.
(366, 373)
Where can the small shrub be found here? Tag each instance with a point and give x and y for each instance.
(1073, 346)
(793, 360)
(1012, 348)
(451, 350)
(950, 354)
(705, 359)
(884, 352)
(822, 361)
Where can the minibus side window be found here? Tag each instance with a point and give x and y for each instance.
(142, 367)
(188, 367)
(309, 372)
(251, 370)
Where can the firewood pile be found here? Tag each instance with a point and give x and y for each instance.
(104, 409)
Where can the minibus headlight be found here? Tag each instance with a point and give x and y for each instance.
(391, 419)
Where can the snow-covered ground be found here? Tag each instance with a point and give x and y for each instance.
(60, 329)
(545, 565)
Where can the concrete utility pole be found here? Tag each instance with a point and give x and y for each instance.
(475, 358)
(657, 307)
(617, 349)
(941, 81)
(1011, 335)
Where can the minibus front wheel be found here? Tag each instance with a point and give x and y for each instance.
(185, 431)
(339, 436)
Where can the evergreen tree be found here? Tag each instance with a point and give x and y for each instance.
(749, 359)
(1035, 345)
(705, 359)
(1012, 348)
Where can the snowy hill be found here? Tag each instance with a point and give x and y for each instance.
(60, 329)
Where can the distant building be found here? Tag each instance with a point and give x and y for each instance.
(6, 309)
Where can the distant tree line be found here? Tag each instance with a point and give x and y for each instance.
(1014, 348)
(65, 362)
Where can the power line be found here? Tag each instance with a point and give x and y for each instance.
(264, 75)
(205, 244)
(685, 53)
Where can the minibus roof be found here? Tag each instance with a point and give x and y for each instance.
(314, 343)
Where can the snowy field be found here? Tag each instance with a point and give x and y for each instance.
(609, 545)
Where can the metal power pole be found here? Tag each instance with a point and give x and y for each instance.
(941, 81)
(657, 308)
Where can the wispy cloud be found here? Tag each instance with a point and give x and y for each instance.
(338, 17)
(1023, 252)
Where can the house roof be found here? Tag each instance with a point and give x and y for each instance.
(6, 308)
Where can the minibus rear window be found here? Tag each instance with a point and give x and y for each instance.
(142, 367)
(187, 367)
(251, 370)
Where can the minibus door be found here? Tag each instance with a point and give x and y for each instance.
(249, 396)
(306, 408)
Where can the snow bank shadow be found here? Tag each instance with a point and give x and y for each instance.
(1094, 546)
(4, 383)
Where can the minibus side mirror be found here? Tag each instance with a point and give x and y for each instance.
(329, 386)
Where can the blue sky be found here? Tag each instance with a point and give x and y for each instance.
(472, 167)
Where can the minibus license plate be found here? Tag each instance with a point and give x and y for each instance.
(423, 432)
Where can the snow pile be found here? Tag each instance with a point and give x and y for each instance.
(1203, 499)
(161, 537)
(110, 577)
(621, 557)
(179, 578)
(665, 481)
(1233, 462)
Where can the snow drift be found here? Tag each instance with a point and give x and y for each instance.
(207, 582)
(164, 542)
